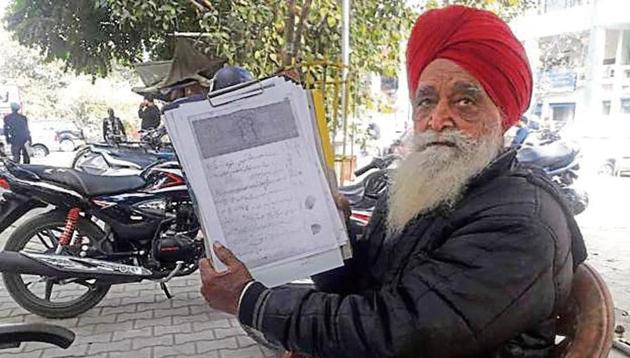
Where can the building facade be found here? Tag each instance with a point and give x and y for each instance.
(579, 51)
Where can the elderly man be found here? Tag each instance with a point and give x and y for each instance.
(470, 254)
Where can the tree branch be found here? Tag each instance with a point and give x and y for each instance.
(297, 41)
(202, 5)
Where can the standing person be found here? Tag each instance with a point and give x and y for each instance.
(149, 113)
(469, 254)
(521, 133)
(17, 134)
(113, 129)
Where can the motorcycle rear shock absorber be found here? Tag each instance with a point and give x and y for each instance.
(71, 223)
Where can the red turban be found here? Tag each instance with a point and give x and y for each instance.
(482, 44)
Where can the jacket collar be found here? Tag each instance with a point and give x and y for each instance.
(502, 163)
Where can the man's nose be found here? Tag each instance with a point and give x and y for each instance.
(442, 117)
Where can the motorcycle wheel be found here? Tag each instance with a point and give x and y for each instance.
(39, 235)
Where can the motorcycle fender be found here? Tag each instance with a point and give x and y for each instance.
(13, 206)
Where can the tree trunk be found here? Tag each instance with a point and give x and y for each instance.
(289, 28)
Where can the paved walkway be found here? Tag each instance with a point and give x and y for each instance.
(137, 320)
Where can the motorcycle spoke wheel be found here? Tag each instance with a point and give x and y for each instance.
(49, 296)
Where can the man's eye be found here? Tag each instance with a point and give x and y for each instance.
(424, 102)
(464, 101)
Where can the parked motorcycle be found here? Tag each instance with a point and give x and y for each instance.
(561, 162)
(101, 231)
(363, 195)
(124, 158)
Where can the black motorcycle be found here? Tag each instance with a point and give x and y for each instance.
(100, 231)
(125, 158)
(363, 195)
(561, 162)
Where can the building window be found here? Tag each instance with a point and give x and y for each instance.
(625, 105)
(551, 5)
(562, 113)
(611, 44)
(606, 108)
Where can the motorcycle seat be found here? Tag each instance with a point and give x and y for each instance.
(142, 160)
(86, 184)
(354, 192)
(550, 157)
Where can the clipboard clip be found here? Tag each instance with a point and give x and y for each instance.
(236, 93)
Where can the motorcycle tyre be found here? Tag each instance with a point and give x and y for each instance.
(20, 293)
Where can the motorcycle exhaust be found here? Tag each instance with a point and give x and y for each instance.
(67, 267)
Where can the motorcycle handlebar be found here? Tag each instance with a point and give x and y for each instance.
(377, 163)
(364, 169)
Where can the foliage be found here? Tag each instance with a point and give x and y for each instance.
(47, 92)
(89, 34)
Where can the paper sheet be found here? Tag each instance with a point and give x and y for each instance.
(252, 162)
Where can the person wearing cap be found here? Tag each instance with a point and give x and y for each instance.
(17, 134)
(469, 254)
(149, 113)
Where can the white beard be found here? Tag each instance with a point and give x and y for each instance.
(434, 175)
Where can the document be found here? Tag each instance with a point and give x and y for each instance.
(252, 161)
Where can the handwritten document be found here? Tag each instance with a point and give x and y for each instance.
(258, 181)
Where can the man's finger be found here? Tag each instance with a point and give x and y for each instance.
(225, 255)
(206, 263)
(206, 269)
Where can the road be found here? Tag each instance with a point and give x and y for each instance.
(136, 320)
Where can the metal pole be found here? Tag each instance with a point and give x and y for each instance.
(345, 58)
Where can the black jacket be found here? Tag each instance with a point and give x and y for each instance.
(112, 127)
(150, 116)
(483, 279)
(16, 129)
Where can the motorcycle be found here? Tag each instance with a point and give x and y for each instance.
(101, 231)
(561, 162)
(124, 158)
(363, 195)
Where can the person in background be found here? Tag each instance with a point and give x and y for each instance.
(521, 133)
(149, 113)
(113, 128)
(17, 134)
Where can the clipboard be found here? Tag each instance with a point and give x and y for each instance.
(187, 116)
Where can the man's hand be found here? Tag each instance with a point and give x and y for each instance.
(343, 205)
(222, 290)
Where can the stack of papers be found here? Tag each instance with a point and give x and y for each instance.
(252, 157)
